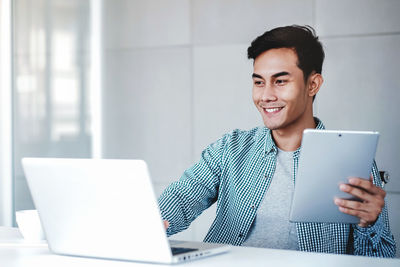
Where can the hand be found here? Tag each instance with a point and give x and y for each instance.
(371, 204)
(166, 224)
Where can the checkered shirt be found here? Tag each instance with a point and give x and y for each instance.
(235, 172)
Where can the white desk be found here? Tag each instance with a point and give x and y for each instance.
(14, 252)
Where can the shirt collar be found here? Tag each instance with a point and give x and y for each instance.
(271, 148)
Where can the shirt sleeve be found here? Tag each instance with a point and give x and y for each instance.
(196, 190)
(375, 240)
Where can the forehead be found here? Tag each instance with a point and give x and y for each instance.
(276, 60)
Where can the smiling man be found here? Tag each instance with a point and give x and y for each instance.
(283, 97)
(251, 174)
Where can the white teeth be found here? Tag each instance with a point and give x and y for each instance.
(269, 110)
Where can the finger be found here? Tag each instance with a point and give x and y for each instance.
(166, 224)
(367, 217)
(373, 209)
(358, 213)
(357, 192)
(351, 204)
(363, 223)
(366, 185)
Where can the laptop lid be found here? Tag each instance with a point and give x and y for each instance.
(98, 208)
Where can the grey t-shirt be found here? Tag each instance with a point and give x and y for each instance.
(271, 227)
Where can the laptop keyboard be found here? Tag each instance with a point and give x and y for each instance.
(177, 250)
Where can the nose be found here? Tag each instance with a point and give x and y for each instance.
(268, 94)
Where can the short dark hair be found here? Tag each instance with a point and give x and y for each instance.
(302, 39)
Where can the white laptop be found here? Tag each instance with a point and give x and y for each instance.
(105, 209)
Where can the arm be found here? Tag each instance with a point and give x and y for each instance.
(372, 236)
(196, 190)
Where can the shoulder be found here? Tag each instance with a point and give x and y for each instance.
(241, 138)
(236, 145)
(246, 134)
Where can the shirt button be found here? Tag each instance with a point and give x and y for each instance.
(240, 235)
(372, 235)
(253, 207)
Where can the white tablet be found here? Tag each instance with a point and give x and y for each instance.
(327, 159)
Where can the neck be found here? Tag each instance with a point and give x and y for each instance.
(289, 138)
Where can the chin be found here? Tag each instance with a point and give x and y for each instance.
(273, 126)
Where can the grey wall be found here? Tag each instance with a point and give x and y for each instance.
(177, 77)
(51, 64)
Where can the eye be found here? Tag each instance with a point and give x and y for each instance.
(258, 83)
(280, 82)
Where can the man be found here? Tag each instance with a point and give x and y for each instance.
(251, 174)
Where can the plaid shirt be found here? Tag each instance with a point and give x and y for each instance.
(235, 172)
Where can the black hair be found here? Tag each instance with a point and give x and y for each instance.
(302, 39)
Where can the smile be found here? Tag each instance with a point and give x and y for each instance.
(272, 110)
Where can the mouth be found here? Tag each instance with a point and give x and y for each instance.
(272, 110)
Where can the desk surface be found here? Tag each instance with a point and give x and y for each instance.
(15, 252)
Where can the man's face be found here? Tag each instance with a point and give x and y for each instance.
(279, 91)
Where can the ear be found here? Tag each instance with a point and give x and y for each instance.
(315, 81)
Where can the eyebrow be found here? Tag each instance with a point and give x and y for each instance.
(276, 75)
(282, 73)
(257, 76)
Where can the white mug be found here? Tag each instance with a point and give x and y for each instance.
(29, 225)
